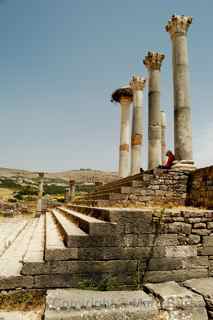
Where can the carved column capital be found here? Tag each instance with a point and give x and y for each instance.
(178, 25)
(153, 60)
(137, 83)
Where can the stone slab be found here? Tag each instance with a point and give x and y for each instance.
(204, 287)
(35, 250)
(77, 267)
(18, 315)
(173, 296)
(85, 280)
(9, 232)
(10, 261)
(84, 304)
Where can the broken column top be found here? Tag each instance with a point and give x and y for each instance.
(41, 174)
(178, 24)
(153, 60)
(123, 92)
(137, 83)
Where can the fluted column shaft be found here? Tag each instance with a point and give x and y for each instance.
(124, 136)
(177, 27)
(163, 137)
(137, 84)
(153, 63)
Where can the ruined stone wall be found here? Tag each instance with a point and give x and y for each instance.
(152, 188)
(154, 245)
(159, 187)
(201, 188)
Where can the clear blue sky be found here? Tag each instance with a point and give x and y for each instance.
(60, 60)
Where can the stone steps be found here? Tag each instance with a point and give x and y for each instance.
(90, 225)
(120, 182)
(10, 261)
(55, 248)
(73, 236)
(113, 187)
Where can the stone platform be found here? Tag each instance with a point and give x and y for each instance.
(78, 246)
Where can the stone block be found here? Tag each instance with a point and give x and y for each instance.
(16, 282)
(199, 225)
(157, 240)
(194, 239)
(210, 225)
(179, 227)
(194, 220)
(201, 232)
(205, 251)
(166, 264)
(208, 241)
(72, 267)
(176, 275)
(181, 251)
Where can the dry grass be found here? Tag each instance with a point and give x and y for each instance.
(22, 300)
(5, 194)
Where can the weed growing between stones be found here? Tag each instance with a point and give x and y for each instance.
(22, 300)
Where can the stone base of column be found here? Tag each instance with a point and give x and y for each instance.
(184, 165)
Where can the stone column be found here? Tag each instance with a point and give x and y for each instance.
(153, 62)
(137, 84)
(124, 97)
(177, 27)
(40, 207)
(72, 190)
(163, 137)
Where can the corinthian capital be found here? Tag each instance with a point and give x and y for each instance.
(137, 83)
(153, 60)
(178, 25)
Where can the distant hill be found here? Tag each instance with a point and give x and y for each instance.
(81, 176)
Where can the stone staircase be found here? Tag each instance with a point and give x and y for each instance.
(75, 246)
(52, 250)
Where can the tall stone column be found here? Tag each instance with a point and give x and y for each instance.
(163, 137)
(153, 62)
(137, 84)
(124, 97)
(72, 190)
(177, 27)
(40, 207)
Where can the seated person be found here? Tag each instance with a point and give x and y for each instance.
(170, 160)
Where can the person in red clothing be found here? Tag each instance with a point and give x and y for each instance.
(170, 160)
